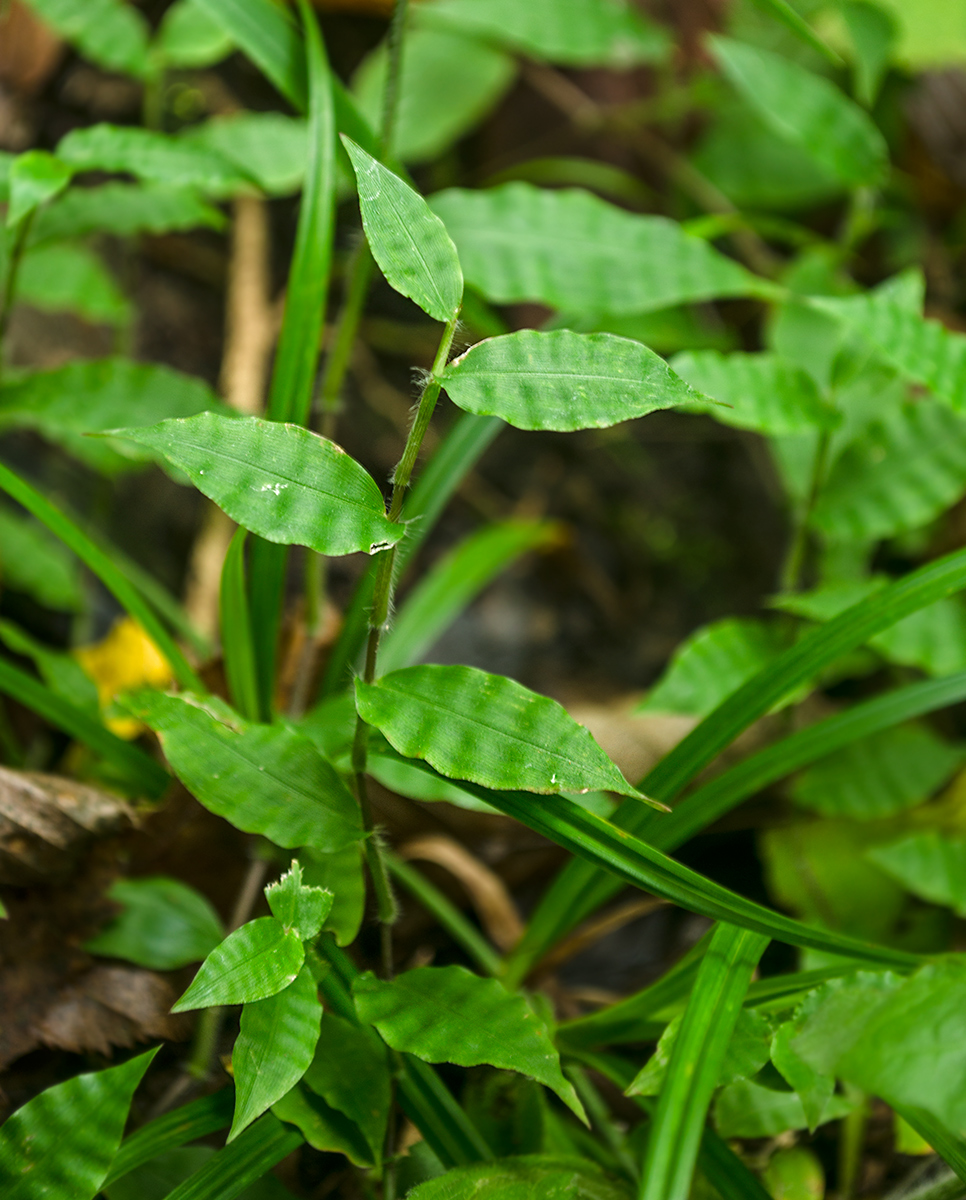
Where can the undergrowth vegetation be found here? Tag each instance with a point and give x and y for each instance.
(807, 333)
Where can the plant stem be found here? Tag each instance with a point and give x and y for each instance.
(10, 281)
(791, 580)
(851, 1139)
(390, 99)
(337, 361)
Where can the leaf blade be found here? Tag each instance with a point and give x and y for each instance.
(255, 962)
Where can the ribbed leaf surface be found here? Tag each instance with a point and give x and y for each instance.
(52, 1148)
(280, 481)
(563, 380)
(350, 1072)
(930, 864)
(265, 779)
(807, 109)
(577, 253)
(194, 1120)
(108, 32)
(163, 924)
(254, 962)
(247, 1159)
(448, 1014)
(151, 156)
(298, 906)
(125, 209)
(472, 725)
(275, 1045)
(528, 1177)
(407, 239)
(323, 1127)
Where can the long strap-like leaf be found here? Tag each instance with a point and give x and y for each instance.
(176, 1128)
(250, 1156)
(695, 1063)
(950, 1148)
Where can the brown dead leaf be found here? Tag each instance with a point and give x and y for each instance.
(29, 49)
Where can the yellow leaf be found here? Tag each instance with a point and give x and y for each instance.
(125, 659)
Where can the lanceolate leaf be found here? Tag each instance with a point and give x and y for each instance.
(529, 1175)
(248, 1158)
(188, 37)
(265, 779)
(577, 253)
(176, 1128)
(448, 1014)
(34, 178)
(124, 209)
(52, 1148)
(274, 1047)
(323, 1127)
(33, 561)
(108, 32)
(806, 109)
(280, 481)
(258, 960)
(407, 239)
(471, 725)
(151, 156)
(931, 864)
(163, 924)
(563, 380)
(64, 277)
(271, 147)
(268, 35)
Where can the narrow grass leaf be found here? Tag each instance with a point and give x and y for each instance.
(297, 906)
(266, 33)
(245, 1160)
(33, 562)
(50, 1148)
(950, 1147)
(274, 1047)
(577, 253)
(238, 649)
(930, 863)
(472, 725)
(407, 239)
(563, 380)
(529, 1175)
(351, 1072)
(282, 482)
(696, 1060)
(256, 961)
(185, 1124)
(163, 924)
(265, 779)
(807, 109)
(35, 178)
(448, 1014)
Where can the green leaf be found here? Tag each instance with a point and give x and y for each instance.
(814, 1088)
(874, 32)
(453, 583)
(189, 37)
(297, 906)
(60, 276)
(34, 178)
(746, 1053)
(110, 33)
(238, 649)
(157, 1179)
(808, 110)
(407, 239)
(269, 146)
(50, 1148)
(339, 872)
(879, 775)
(764, 393)
(351, 1073)
(281, 481)
(124, 209)
(930, 864)
(154, 157)
(573, 32)
(185, 1124)
(323, 1127)
(274, 1047)
(471, 73)
(524, 1178)
(574, 252)
(563, 380)
(90, 396)
(256, 961)
(697, 1059)
(782, 11)
(448, 1014)
(32, 561)
(226, 1175)
(61, 672)
(164, 924)
(748, 1109)
(711, 664)
(471, 725)
(265, 779)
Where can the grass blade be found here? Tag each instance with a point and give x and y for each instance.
(950, 1148)
(236, 630)
(696, 1059)
(185, 1124)
(240, 1163)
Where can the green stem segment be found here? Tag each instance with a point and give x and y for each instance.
(795, 562)
(10, 281)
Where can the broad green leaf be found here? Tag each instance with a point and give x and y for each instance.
(527, 1177)
(61, 672)
(472, 725)
(808, 110)
(563, 380)
(154, 157)
(339, 872)
(748, 1109)
(32, 561)
(696, 1061)
(124, 209)
(281, 481)
(194, 1120)
(256, 961)
(265, 779)
(900, 474)
(874, 32)
(471, 73)
(572, 32)
(270, 147)
(275, 1045)
(323, 1127)
(164, 924)
(782, 11)
(814, 1088)
(448, 1014)
(111, 33)
(189, 37)
(745, 1055)
(89, 396)
(246, 1160)
(407, 239)
(879, 775)
(762, 392)
(51, 1148)
(297, 906)
(931, 864)
(453, 583)
(34, 178)
(351, 1073)
(711, 664)
(577, 253)
(61, 276)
